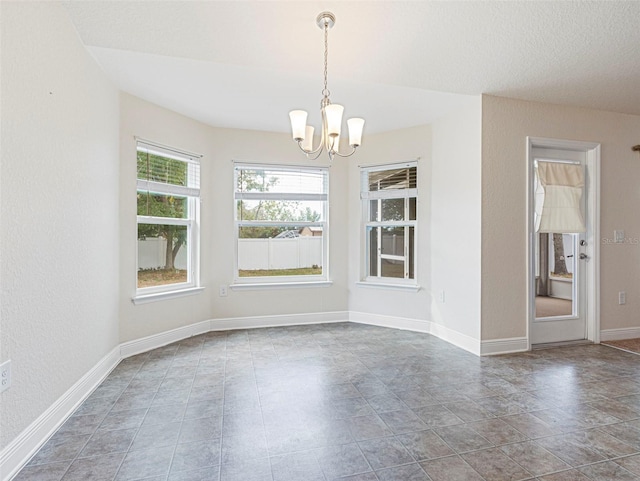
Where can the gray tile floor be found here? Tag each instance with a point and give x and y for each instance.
(352, 402)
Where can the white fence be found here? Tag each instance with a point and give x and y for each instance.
(152, 254)
(303, 251)
(393, 244)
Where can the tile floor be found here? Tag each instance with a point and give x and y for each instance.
(352, 402)
(632, 345)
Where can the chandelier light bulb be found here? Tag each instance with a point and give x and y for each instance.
(355, 126)
(298, 123)
(307, 143)
(334, 119)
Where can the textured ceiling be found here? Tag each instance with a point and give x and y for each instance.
(246, 64)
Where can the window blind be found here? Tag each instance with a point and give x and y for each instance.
(167, 171)
(390, 181)
(256, 182)
(559, 203)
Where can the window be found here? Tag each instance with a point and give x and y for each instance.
(281, 224)
(389, 198)
(168, 190)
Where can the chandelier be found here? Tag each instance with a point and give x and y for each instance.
(331, 114)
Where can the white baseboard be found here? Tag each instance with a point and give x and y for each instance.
(504, 346)
(456, 338)
(419, 325)
(394, 322)
(131, 348)
(254, 322)
(619, 334)
(16, 454)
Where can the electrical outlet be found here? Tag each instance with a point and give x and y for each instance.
(5, 375)
(622, 298)
(223, 291)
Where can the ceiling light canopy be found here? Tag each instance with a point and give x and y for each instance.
(331, 114)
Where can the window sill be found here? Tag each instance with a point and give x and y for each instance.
(160, 296)
(279, 285)
(395, 287)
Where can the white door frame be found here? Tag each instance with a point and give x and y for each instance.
(592, 266)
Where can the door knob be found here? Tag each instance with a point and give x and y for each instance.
(583, 256)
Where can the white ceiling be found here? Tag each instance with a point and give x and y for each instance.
(397, 64)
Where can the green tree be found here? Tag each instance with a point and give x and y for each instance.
(560, 265)
(169, 171)
(309, 215)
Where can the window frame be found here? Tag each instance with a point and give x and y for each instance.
(366, 196)
(281, 281)
(192, 220)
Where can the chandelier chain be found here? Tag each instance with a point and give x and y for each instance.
(325, 90)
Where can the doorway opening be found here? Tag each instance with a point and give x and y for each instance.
(563, 232)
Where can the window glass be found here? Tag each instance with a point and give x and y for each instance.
(281, 216)
(412, 208)
(393, 241)
(392, 209)
(162, 205)
(373, 210)
(392, 268)
(161, 168)
(390, 201)
(162, 255)
(280, 210)
(167, 214)
(372, 248)
(392, 179)
(281, 180)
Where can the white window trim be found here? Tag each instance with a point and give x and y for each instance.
(366, 196)
(279, 285)
(374, 283)
(280, 282)
(192, 286)
(160, 296)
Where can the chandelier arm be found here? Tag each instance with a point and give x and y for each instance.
(331, 143)
(318, 149)
(346, 155)
(317, 155)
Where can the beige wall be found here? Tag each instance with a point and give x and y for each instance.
(219, 148)
(59, 198)
(505, 125)
(397, 146)
(455, 226)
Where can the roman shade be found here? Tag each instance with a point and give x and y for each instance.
(558, 197)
